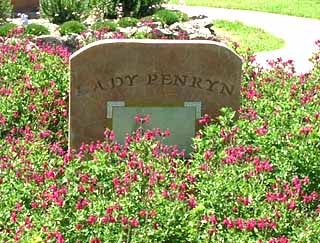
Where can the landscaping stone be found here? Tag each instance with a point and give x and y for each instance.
(50, 39)
(71, 41)
(129, 31)
(200, 34)
(163, 31)
(144, 29)
(204, 75)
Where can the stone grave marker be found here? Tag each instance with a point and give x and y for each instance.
(176, 82)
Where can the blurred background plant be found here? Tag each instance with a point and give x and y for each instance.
(5, 10)
(60, 11)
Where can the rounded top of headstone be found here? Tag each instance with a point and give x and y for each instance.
(154, 42)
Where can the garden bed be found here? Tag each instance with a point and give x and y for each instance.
(253, 176)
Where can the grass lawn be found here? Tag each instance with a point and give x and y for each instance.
(247, 36)
(302, 8)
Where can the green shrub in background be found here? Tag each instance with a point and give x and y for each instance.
(169, 17)
(109, 25)
(72, 27)
(60, 11)
(106, 8)
(6, 28)
(36, 29)
(128, 22)
(138, 8)
(142, 35)
(5, 10)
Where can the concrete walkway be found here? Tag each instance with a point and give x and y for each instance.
(299, 34)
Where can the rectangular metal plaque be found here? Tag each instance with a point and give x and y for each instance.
(180, 121)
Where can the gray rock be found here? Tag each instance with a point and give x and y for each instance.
(50, 39)
(201, 34)
(144, 29)
(197, 29)
(129, 31)
(71, 41)
(201, 16)
(164, 31)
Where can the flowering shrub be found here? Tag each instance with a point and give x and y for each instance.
(60, 11)
(253, 179)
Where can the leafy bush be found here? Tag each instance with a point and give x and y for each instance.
(253, 179)
(142, 35)
(170, 16)
(6, 28)
(72, 27)
(128, 22)
(36, 29)
(5, 10)
(60, 11)
(105, 25)
(138, 8)
(106, 8)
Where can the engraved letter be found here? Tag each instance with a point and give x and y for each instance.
(180, 80)
(131, 78)
(151, 78)
(212, 84)
(225, 87)
(196, 82)
(116, 82)
(166, 79)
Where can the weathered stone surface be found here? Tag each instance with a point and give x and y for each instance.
(148, 73)
(50, 39)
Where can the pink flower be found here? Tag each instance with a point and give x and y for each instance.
(306, 130)
(228, 223)
(283, 239)
(213, 219)
(59, 237)
(204, 120)
(192, 202)
(165, 194)
(240, 224)
(95, 240)
(208, 154)
(78, 226)
(91, 219)
(116, 182)
(262, 130)
(124, 220)
(134, 223)
(45, 134)
(37, 67)
(251, 224)
(105, 219)
(146, 119)
(143, 213)
(292, 205)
